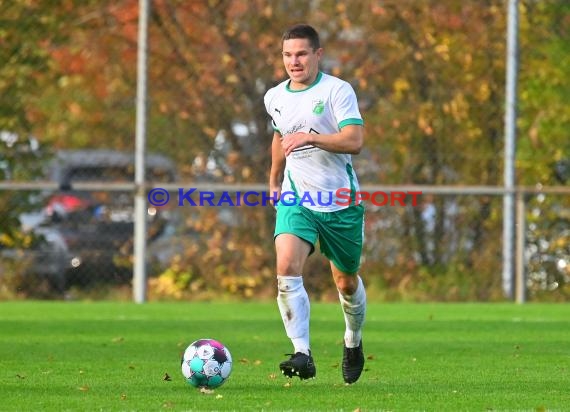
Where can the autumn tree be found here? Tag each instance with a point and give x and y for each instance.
(430, 76)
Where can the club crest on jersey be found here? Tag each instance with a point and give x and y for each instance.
(318, 106)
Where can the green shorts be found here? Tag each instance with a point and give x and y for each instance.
(340, 233)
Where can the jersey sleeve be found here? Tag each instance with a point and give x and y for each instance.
(345, 106)
(267, 99)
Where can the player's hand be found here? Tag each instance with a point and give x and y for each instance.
(275, 194)
(293, 141)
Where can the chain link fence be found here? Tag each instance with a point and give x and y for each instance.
(217, 242)
(430, 77)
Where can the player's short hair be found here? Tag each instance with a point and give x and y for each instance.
(303, 31)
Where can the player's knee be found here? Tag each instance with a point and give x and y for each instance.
(290, 264)
(347, 285)
(289, 268)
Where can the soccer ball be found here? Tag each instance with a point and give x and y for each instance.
(206, 363)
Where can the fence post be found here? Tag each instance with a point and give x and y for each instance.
(510, 144)
(139, 269)
(520, 272)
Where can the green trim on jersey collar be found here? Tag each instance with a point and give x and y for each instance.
(318, 79)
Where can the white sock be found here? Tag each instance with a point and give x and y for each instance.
(354, 309)
(294, 307)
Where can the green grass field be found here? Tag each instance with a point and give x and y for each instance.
(59, 356)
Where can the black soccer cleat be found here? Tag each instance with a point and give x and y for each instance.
(352, 363)
(300, 365)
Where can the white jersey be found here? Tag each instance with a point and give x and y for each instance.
(316, 177)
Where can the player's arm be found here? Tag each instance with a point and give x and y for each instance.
(349, 139)
(277, 166)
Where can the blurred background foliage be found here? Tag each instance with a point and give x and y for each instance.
(430, 76)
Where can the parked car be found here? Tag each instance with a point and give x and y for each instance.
(92, 231)
(46, 260)
(98, 226)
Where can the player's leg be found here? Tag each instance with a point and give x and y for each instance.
(341, 240)
(292, 298)
(352, 296)
(294, 239)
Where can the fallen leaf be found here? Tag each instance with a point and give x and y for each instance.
(166, 377)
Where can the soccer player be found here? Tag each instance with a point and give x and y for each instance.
(317, 127)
